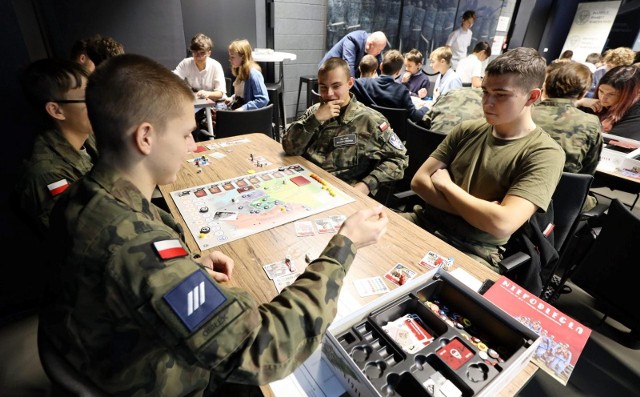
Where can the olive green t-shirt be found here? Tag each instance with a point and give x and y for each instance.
(490, 168)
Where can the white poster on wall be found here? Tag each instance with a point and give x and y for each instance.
(590, 28)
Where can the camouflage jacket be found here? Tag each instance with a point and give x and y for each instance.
(53, 164)
(578, 133)
(358, 145)
(453, 108)
(119, 307)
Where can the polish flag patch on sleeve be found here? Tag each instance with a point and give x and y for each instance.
(56, 188)
(383, 127)
(169, 249)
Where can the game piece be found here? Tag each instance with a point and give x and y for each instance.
(290, 265)
(199, 170)
(251, 156)
(307, 258)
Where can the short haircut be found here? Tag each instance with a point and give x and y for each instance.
(392, 62)
(619, 56)
(101, 48)
(567, 54)
(414, 56)
(368, 64)
(625, 79)
(469, 14)
(594, 58)
(525, 63)
(49, 79)
(442, 53)
(483, 46)
(334, 63)
(201, 42)
(567, 80)
(78, 48)
(128, 90)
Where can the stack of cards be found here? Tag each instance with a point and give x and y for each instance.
(433, 260)
(281, 273)
(409, 332)
(400, 274)
(330, 224)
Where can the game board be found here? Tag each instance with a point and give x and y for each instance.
(224, 211)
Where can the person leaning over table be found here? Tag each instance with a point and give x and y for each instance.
(249, 80)
(345, 137)
(617, 102)
(488, 177)
(117, 303)
(355, 45)
(203, 73)
(66, 149)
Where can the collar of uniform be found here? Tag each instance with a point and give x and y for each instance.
(349, 113)
(557, 101)
(123, 190)
(58, 144)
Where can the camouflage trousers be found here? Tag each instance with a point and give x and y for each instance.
(486, 254)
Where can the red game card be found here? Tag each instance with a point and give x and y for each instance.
(455, 354)
(300, 180)
(200, 149)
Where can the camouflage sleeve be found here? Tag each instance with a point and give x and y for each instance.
(204, 324)
(34, 197)
(592, 157)
(301, 132)
(388, 150)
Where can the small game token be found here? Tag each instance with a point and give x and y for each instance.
(492, 353)
(307, 258)
(205, 229)
(482, 347)
(204, 209)
(251, 172)
(483, 355)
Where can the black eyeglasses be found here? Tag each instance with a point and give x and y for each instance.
(67, 100)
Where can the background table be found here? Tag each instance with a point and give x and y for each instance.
(404, 241)
(266, 55)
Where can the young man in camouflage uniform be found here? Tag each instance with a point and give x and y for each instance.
(344, 137)
(578, 133)
(488, 177)
(453, 108)
(117, 304)
(66, 150)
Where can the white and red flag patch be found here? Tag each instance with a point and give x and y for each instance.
(383, 126)
(168, 249)
(56, 188)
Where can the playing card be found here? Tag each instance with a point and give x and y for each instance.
(400, 274)
(277, 269)
(432, 260)
(324, 225)
(371, 286)
(409, 332)
(337, 221)
(304, 228)
(217, 155)
(455, 354)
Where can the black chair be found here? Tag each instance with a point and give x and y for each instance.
(311, 82)
(397, 118)
(420, 143)
(276, 98)
(606, 273)
(66, 380)
(567, 202)
(232, 123)
(228, 85)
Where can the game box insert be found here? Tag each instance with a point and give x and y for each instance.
(451, 342)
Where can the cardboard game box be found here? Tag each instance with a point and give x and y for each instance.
(431, 337)
(562, 338)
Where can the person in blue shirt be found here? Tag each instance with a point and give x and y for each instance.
(414, 78)
(249, 88)
(448, 79)
(385, 91)
(354, 46)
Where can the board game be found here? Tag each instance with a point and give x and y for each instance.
(224, 211)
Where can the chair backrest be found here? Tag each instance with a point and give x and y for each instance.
(315, 97)
(229, 85)
(397, 118)
(607, 270)
(568, 199)
(232, 123)
(420, 143)
(61, 373)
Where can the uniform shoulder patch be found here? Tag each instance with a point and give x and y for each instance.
(58, 187)
(383, 127)
(395, 141)
(169, 249)
(195, 299)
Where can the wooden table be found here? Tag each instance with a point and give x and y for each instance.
(404, 241)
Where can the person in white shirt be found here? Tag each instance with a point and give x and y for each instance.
(470, 69)
(440, 61)
(460, 39)
(203, 73)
